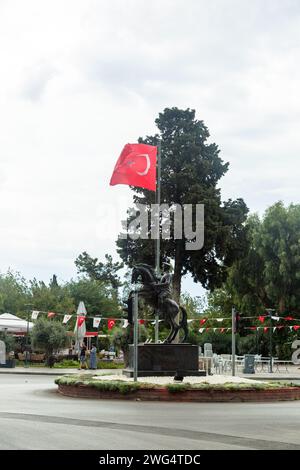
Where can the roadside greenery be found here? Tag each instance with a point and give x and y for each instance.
(8, 340)
(125, 387)
(48, 336)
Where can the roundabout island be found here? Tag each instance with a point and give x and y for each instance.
(192, 389)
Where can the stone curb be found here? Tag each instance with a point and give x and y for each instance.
(204, 396)
(55, 372)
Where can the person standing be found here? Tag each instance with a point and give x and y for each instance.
(93, 358)
(82, 357)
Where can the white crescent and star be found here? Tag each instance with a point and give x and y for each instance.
(148, 164)
(143, 173)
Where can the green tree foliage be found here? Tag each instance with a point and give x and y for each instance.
(52, 297)
(99, 271)
(17, 296)
(99, 298)
(14, 293)
(191, 170)
(121, 338)
(195, 306)
(48, 336)
(221, 342)
(268, 274)
(9, 341)
(219, 303)
(254, 343)
(265, 277)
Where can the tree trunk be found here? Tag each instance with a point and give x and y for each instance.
(281, 306)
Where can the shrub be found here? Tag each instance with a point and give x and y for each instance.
(9, 341)
(48, 336)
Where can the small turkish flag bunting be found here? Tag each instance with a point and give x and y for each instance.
(80, 321)
(110, 324)
(66, 319)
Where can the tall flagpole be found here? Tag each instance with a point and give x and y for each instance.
(157, 241)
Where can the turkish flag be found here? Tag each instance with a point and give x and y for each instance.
(80, 321)
(110, 324)
(136, 166)
(51, 314)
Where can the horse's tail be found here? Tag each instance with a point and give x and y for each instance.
(183, 323)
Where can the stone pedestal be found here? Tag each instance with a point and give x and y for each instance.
(165, 360)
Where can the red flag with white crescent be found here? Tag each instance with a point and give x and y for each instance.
(80, 321)
(136, 166)
(110, 324)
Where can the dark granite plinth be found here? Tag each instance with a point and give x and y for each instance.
(165, 360)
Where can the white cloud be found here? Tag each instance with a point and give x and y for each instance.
(80, 79)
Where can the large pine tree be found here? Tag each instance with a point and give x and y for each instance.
(191, 170)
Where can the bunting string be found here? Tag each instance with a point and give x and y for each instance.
(204, 322)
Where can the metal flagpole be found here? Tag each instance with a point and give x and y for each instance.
(135, 335)
(157, 244)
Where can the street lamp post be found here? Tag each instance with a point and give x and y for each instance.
(135, 335)
(26, 343)
(233, 333)
(27, 335)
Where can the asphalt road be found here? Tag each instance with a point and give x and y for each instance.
(34, 416)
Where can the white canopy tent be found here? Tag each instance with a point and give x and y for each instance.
(13, 324)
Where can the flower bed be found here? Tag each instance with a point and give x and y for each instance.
(88, 387)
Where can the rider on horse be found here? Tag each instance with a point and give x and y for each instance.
(157, 293)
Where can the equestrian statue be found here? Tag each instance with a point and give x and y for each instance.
(157, 293)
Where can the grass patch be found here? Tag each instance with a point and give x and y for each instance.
(175, 388)
(66, 364)
(110, 365)
(120, 386)
(228, 386)
(71, 364)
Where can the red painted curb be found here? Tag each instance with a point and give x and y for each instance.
(204, 396)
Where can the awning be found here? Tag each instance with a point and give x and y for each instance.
(13, 324)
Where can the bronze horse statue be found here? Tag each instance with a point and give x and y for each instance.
(157, 294)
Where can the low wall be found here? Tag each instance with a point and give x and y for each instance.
(204, 396)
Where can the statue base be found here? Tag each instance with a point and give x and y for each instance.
(165, 360)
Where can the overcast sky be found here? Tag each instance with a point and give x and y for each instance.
(80, 78)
